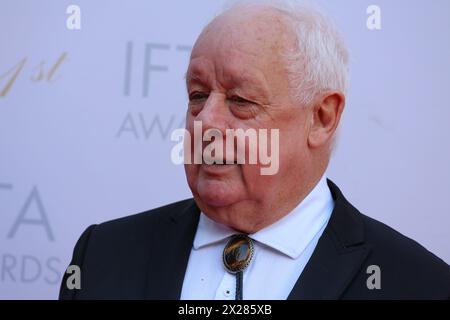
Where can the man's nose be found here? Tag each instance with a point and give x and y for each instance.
(214, 114)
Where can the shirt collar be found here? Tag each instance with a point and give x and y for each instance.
(210, 232)
(290, 235)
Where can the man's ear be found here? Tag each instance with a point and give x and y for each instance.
(325, 118)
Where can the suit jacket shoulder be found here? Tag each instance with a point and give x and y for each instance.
(407, 269)
(116, 256)
(358, 257)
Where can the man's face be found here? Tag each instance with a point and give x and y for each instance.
(237, 79)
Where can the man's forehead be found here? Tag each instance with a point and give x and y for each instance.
(240, 48)
(202, 70)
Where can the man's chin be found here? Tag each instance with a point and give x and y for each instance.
(212, 199)
(216, 194)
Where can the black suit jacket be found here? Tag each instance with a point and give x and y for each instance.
(144, 256)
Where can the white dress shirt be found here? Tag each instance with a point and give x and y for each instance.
(281, 253)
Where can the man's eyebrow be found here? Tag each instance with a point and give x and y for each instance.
(255, 82)
(242, 80)
(192, 77)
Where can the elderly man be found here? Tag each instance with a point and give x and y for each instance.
(247, 235)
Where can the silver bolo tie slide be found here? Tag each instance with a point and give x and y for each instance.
(237, 255)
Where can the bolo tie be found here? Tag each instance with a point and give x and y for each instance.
(237, 255)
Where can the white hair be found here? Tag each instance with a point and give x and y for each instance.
(320, 59)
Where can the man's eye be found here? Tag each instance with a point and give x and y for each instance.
(242, 108)
(239, 100)
(197, 96)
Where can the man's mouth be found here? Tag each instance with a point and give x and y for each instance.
(223, 163)
(219, 162)
(217, 168)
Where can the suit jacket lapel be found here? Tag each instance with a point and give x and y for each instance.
(339, 254)
(170, 254)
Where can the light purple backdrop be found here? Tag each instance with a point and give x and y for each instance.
(81, 141)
